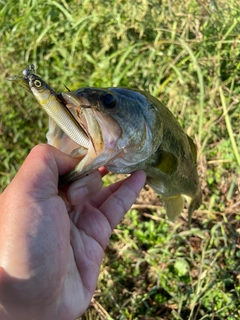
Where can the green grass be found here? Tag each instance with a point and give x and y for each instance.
(186, 53)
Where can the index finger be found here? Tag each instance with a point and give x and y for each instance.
(117, 199)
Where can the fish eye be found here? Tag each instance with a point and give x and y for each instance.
(37, 83)
(108, 100)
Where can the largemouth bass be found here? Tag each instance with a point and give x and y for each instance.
(126, 130)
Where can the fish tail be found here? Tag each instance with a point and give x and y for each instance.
(194, 204)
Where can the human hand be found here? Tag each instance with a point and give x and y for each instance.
(52, 241)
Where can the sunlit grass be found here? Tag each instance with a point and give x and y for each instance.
(187, 55)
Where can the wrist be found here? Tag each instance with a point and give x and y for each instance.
(16, 300)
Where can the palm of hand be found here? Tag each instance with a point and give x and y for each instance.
(91, 224)
(56, 239)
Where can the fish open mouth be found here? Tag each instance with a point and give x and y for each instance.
(102, 130)
(81, 110)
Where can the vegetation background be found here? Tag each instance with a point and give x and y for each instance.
(187, 54)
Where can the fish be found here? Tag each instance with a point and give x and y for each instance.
(127, 130)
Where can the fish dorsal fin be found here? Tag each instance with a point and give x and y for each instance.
(193, 148)
(173, 206)
(166, 162)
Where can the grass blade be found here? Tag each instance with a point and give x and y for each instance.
(229, 126)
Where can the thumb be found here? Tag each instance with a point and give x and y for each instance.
(38, 175)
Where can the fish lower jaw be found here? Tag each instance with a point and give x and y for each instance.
(89, 163)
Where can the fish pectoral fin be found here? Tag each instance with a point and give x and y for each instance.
(174, 206)
(193, 148)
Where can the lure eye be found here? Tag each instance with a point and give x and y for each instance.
(108, 100)
(37, 83)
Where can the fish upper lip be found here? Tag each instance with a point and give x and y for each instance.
(70, 98)
(86, 119)
(96, 123)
